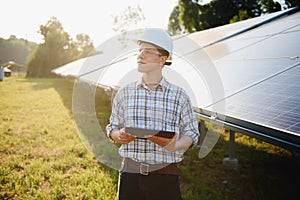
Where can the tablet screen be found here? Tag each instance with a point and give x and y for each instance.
(141, 132)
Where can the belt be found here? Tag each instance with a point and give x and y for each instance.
(132, 166)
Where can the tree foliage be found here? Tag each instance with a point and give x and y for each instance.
(193, 16)
(174, 26)
(189, 15)
(129, 17)
(14, 49)
(269, 6)
(58, 49)
(292, 3)
(243, 15)
(217, 13)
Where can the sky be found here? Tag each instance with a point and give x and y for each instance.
(22, 18)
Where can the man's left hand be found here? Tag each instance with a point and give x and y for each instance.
(167, 143)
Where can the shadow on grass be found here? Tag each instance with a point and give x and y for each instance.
(260, 175)
(64, 88)
(102, 108)
(40, 83)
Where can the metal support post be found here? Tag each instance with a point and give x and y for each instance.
(202, 131)
(230, 161)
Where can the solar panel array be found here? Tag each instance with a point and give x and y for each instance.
(257, 61)
(261, 75)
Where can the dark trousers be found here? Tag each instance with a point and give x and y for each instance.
(153, 187)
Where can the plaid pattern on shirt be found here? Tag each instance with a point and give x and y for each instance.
(165, 107)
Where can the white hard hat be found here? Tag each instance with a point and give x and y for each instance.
(158, 37)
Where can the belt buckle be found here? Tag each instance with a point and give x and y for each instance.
(144, 169)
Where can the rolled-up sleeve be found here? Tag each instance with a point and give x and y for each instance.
(116, 120)
(189, 122)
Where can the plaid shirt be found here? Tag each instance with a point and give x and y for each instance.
(165, 107)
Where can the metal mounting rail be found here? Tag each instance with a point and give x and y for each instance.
(269, 135)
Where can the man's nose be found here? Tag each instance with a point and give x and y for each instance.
(140, 54)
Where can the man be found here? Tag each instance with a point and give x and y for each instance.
(149, 168)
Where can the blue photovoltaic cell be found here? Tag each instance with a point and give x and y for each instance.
(273, 103)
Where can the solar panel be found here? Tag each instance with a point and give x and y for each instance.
(260, 73)
(256, 60)
(274, 103)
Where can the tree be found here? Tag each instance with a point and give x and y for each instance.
(252, 7)
(189, 15)
(241, 16)
(269, 6)
(55, 50)
(193, 16)
(84, 46)
(14, 49)
(58, 49)
(130, 16)
(217, 13)
(292, 3)
(174, 26)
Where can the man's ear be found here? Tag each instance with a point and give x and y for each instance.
(163, 59)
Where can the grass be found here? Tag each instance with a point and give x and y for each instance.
(42, 156)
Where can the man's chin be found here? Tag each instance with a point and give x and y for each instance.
(140, 69)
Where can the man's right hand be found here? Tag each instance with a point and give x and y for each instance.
(121, 136)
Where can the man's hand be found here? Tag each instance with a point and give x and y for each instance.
(183, 143)
(121, 136)
(167, 143)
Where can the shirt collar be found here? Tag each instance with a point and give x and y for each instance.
(163, 84)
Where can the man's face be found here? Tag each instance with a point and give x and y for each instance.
(149, 59)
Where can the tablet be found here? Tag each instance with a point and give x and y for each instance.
(141, 132)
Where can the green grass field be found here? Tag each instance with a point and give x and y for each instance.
(42, 156)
